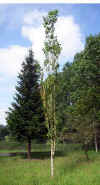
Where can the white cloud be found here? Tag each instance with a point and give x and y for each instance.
(11, 59)
(2, 116)
(1, 79)
(68, 33)
(34, 18)
(36, 36)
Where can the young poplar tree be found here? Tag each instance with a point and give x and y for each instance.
(52, 51)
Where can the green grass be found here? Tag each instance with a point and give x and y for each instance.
(20, 147)
(6, 147)
(70, 169)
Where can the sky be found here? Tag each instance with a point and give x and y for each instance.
(21, 28)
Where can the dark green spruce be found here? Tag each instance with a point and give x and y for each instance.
(25, 117)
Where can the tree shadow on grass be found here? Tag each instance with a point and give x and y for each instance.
(34, 155)
(42, 155)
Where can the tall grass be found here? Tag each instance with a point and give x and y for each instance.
(70, 169)
(20, 147)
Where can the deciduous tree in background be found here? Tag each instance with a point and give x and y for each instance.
(85, 93)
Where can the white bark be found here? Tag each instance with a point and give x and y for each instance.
(96, 144)
(52, 160)
(95, 138)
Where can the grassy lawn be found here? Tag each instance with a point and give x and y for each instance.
(70, 169)
(21, 147)
(6, 147)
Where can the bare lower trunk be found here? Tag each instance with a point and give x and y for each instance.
(95, 138)
(52, 157)
(96, 143)
(87, 157)
(52, 165)
(29, 149)
(86, 153)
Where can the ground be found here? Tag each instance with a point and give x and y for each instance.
(71, 168)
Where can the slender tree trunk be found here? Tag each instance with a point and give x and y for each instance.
(96, 142)
(52, 165)
(52, 157)
(29, 149)
(87, 157)
(86, 152)
(95, 138)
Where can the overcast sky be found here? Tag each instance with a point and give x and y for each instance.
(21, 27)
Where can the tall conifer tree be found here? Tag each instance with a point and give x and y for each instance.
(25, 118)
